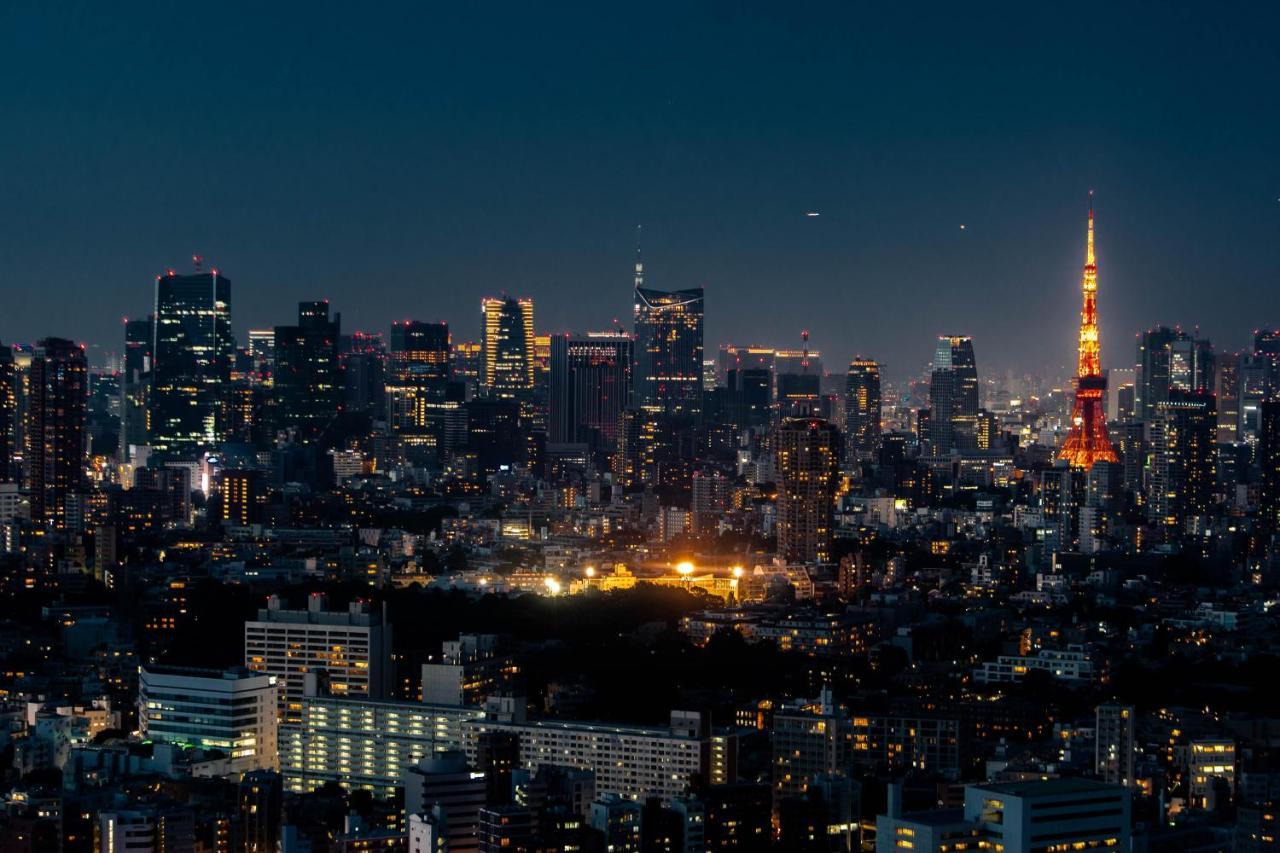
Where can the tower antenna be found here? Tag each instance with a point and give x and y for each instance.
(639, 261)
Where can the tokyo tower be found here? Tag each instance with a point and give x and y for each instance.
(1087, 442)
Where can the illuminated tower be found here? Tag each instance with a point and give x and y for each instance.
(1087, 442)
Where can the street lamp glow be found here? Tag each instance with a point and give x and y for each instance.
(685, 568)
(591, 571)
(553, 585)
(737, 571)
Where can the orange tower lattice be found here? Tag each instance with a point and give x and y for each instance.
(1087, 442)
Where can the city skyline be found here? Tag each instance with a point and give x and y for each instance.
(890, 138)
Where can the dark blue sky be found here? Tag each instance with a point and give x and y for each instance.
(405, 161)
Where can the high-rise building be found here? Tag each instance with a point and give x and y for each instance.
(1115, 747)
(1169, 359)
(233, 711)
(353, 648)
(953, 395)
(1087, 441)
(419, 351)
(55, 431)
(363, 359)
(192, 355)
(590, 387)
(668, 349)
(1227, 392)
(308, 380)
(509, 348)
(139, 338)
(1182, 478)
(419, 404)
(811, 738)
(1269, 462)
(807, 454)
(750, 396)
(8, 410)
(862, 409)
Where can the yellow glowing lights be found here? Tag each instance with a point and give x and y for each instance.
(590, 571)
(553, 585)
(684, 568)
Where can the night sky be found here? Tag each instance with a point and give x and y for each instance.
(404, 162)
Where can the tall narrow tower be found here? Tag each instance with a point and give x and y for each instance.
(1087, 442)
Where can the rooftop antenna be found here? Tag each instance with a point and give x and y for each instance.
(198, 260)
(804, 361)
(639, 262)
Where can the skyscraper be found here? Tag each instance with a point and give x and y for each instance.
(508, 342)
(416, 386)
(1087, 442)
(1182, 478)
(7, 409)
(192, 351)
(590, 387)
(58, 407)
(953, 395)
(862, 409)
(808, 461)
(668, 349)
(1269, 462)
(139, 337)
(308, 381)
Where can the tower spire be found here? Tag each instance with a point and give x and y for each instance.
(639, 261)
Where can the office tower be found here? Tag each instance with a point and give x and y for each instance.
(308, 384)
(1191, 363)
(1114, 748)
(418, 398)
(590, 387)
(1269, 463)
(1014, 817)
(260, 800)
(139, 337)
(807, 455)
(466, 365)
(498, 757)
(55, 432)
(668, 349)
(447, 783)
(1182, 478)
(191, 366)
(352, 647)
(799, 394)
(953, 395)
(8, 410)
(230, 710)
(1087, 442)
(1227, 392)
(496, 435)
(508, 348)
(363, 360)
(751, 396)
(862, 409)
(419, 351)
(730, 357)
(261, 350)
